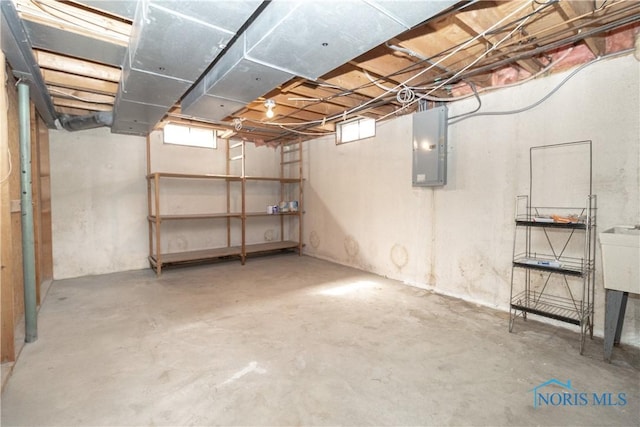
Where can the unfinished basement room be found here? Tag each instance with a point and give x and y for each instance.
(320, 212)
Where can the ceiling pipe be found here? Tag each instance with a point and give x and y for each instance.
(26, 203)
(90, 121)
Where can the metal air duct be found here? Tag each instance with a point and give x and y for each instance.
(172, 43)
(89, 121)
(17, 50)
(299, 38)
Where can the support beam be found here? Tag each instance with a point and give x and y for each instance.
(7, 346)
(77, 66)
(72, 81)
(596, 43)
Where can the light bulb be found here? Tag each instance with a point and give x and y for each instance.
(270, 104)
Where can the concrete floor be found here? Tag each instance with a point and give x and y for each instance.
(291, 340)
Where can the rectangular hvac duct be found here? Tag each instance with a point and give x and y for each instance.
(133, 117)
(411, 12)
(197, 103)
(151, 88)
(237, 77)
(17, 49)
(232, 83)
(303, 38)
(180, 39)
(131, 128)
(136, 112)
(172, 43)
(311, 38)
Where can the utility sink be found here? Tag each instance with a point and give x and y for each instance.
(621, 258)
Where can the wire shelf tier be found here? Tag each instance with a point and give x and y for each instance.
(554, 307)
(546, 262)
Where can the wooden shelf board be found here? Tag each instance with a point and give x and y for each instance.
(270, 246)
(204, 254)
(196, 216)
(199, 255)
(266, 178)
(254, 214)
(194, 176)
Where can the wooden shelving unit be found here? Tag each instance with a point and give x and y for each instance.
(235, 220)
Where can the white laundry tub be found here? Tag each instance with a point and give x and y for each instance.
(621, 258)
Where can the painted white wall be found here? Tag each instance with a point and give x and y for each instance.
(361, 209)
(180, 196)
(363, 212)
(98, 198)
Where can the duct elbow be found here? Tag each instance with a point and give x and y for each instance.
(90, 121)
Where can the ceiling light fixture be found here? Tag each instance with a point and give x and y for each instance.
(270, 105)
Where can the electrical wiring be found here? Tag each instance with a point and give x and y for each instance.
(306, 133)
(514, 84)
(416, 55)
(516, 42)
(547, 96)
(405, 83)
(490, 31)
(452, 50)
(482, 89)
(493, 47)
(404, 86)
(597, 8)
(564, 26)
(237, 124)
(477, 95)
(443, 99)
(61, 92)
(405, 95)
(464, 45)
(554, 36)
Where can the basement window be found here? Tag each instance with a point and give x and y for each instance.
(189, 136)
(355, 129)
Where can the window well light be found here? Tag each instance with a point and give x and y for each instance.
(270, 105)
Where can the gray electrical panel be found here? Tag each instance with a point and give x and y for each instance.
(430, 147)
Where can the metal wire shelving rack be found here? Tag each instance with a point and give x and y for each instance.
(553, 264)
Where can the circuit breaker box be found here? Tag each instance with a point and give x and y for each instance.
(430, 147)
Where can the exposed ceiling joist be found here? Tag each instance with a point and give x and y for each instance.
(83, 50)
